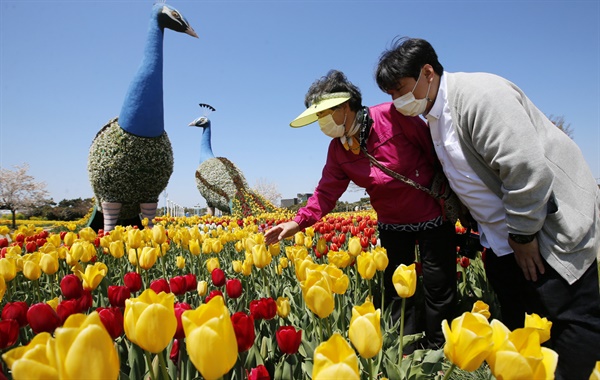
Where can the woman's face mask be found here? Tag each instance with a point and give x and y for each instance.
(330, 127)
(407, 105)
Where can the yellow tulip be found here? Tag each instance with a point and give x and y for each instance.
(339, 280)
(53, 303)
(147, 258)
(8, 268)
(87, 234)
(49, 263)
(260, 256)
(133, 257)
(93, 275)
(54, 239)
(105, 241)
(354, 246)
(116, 249)
(247, 268)
(543, 325)
(238, 246)
(69, 238)
(159, 234)
(236, 265)
(284, 262)
(149, 320)
(322, 246)
(274, 249)
(299, 238)
(32, 361)
(210, 338)
(134, 238)
(206, 247)
(596, 372)
(89, 252)
(381, 258)
(405, 280)
(180, 262)
(2, 287)
(76, 250)
(520, 356)
(212, 264)
(216, 246)
(365, 330)
(202, 288)
(468, 341)
(366, 265)
(317, 293)
(302, 265)
(335, 359)
(481, 308)
(340, 259)
(85, 337)
(32, 270)
(283, 306)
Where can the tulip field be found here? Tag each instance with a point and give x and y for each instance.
(205, 298)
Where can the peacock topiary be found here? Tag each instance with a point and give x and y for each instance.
(131, 160)
(220, 182)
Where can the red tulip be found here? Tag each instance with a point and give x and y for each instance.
(464, 262)
(30, 246)
(133, 281)
(234, 288)
(71, 287)
(112, 319)
(218, 277)
(178, 285)
(259, 373)
(117, 295)
(288, 339)
(243, 325)
(212, 294)
(190, 282)
(85, 301)
(174, 355)
(180, 307)
(66, 308)
(160, 285)
(17, 311)
(3, 242)
(9, 333)
(264, 308)
(42, 317)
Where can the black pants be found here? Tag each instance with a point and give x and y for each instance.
(574, 310)
(437, 248)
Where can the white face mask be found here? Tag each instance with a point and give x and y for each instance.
(330, 127)
(407, 105)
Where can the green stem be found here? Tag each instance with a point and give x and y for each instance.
(265, 282)
(329, 330)
(370, 361)
(401, 337)
(149, 364)
(137, 261)
(447, 374)
(163, 365)
(382, 293)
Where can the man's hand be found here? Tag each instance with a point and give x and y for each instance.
(528, 258)
(281, 231)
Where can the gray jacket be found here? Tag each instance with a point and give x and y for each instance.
(536, 169)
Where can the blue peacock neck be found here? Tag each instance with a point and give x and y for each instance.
(142, 113)
(205, 146)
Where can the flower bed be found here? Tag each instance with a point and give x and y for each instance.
(204, 297)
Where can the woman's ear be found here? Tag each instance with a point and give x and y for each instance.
(428, 72)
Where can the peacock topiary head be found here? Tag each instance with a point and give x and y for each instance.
(168, 17)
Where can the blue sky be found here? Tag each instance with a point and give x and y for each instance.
(65, 67)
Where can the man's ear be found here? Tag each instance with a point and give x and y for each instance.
(428, 72)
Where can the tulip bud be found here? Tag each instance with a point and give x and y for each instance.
(335, 359)
(42, 318)
(234, 288)
(288, 339)
(243, 325)
(133, 281)
(218, 277)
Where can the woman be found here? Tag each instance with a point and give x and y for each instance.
(406, 215)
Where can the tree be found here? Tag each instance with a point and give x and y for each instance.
(560, 123)
(19, 190)
(267, 190)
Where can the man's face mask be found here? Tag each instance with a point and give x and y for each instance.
(407, 105)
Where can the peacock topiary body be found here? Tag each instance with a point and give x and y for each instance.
(131, 158)
(220, 182)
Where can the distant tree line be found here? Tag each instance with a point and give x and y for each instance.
(65, 210)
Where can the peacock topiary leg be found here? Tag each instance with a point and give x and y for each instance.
(111, 211)
(149, 211)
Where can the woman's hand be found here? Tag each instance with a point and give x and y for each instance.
(281, 231)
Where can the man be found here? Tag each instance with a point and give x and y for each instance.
(526, 185)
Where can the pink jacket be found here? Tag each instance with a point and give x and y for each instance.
(401, 143)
